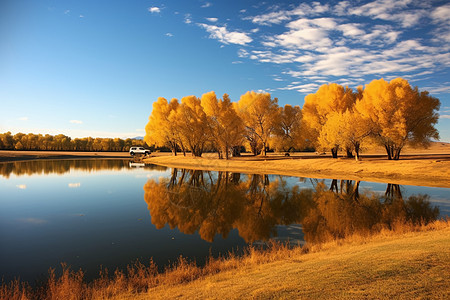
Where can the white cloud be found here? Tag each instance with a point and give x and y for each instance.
(351, 30)
(212, 19)
(227, 37)
(169, 34)
(302, 88)
(81, 16)
(441, 14)
(76, 122)
(271, 18)
(154, 9)
(74, 185)
(444, 116)
(187, 19)
(396, 11)
(207, 4)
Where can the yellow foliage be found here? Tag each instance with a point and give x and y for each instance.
(260, 115)
(159, 130)
(329, 98)
(399, 114)
(226, 127)
(191, 123)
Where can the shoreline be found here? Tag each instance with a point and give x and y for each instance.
(433, 171)
(420, 169)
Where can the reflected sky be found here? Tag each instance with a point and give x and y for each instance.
(93, 213)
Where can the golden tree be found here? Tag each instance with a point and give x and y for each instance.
(329, 98)
(399, 114)
(260, 115)
(346, 130)
(191, 123)
(159, 130)
(287, 131)
(226, 127)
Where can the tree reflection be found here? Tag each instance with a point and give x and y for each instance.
(212, 203)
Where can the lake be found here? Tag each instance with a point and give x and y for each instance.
(109, 213)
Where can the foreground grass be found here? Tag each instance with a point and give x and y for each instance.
(406, 265)
(428, 172)
(407, 262)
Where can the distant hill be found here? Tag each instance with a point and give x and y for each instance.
(137, 138)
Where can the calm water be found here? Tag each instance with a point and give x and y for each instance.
(92, 213)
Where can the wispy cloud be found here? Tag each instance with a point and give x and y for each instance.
(222, 34)
(76, 122)
(154, 9)
(207, 4)
(169, 34)
(212, 19)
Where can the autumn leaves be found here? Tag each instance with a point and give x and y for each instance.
(334, 118)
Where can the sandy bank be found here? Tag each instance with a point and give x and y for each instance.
(424, 170)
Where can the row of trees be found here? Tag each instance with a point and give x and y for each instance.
(21, 141)
(334, 118)
(206, 123)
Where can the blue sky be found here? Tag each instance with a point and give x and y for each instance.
(94, 68)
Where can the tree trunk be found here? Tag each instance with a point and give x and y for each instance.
(397, 154)
(334, 152)
(388, 150)
(357, 151)
(349, 153)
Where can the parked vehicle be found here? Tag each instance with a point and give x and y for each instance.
(139, 150)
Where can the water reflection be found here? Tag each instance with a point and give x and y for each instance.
(45, 167)
(213, 203)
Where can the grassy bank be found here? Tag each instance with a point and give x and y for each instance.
(390, 265)
(407, 262)
(429, 171)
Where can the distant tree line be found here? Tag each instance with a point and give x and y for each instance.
(61, 142)
(335, 118)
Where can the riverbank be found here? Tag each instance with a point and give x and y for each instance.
(421, 169)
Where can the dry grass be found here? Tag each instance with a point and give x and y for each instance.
(409, 261)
